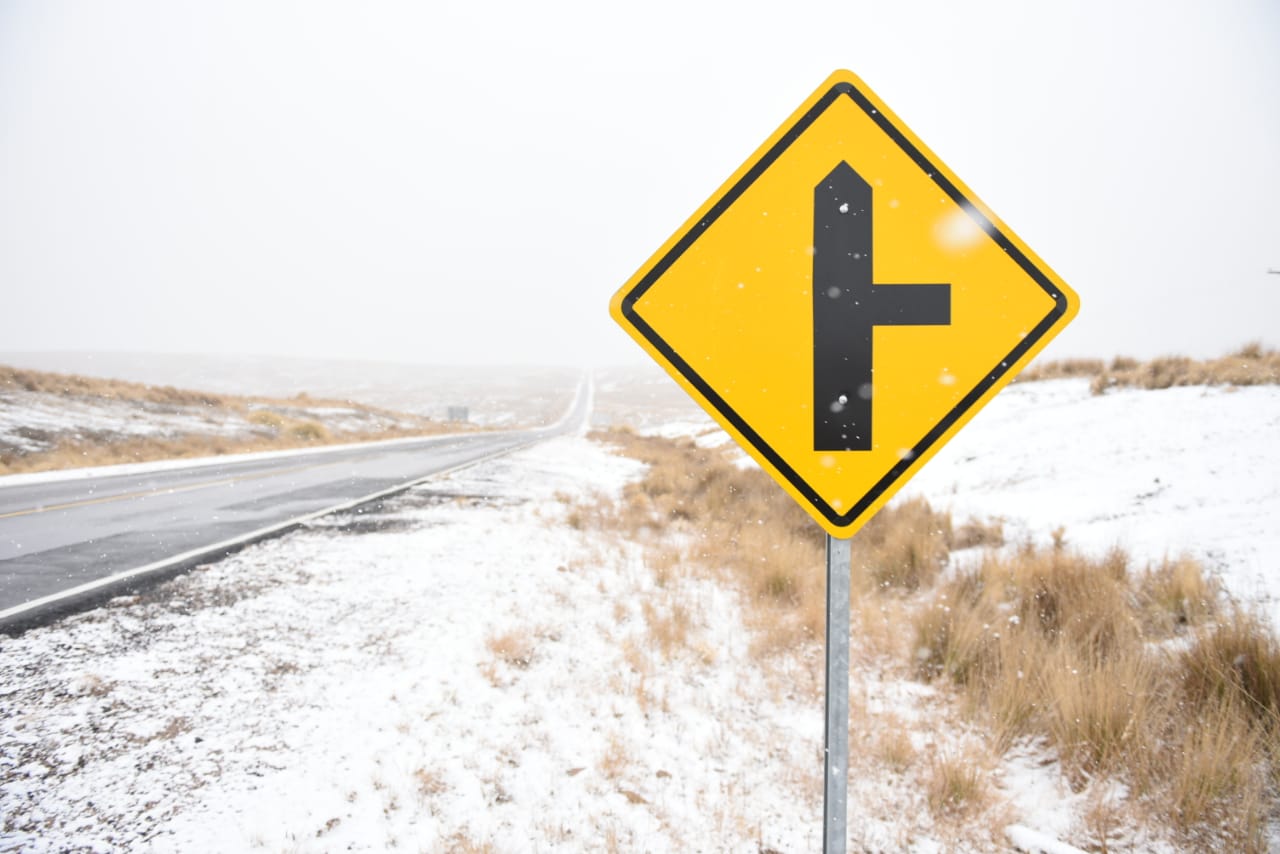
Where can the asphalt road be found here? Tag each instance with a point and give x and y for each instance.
(67, 543)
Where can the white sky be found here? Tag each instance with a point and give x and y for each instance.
(470, 183)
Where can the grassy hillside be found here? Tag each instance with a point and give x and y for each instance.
(52, 421)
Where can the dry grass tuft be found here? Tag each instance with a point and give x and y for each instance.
(1235, 662)
(1178, 594)
(429, 783)
(310, 432)
(893, 746)
(1213, 783)
(463, 843)
(956, 786)
(267, 418)
(1100, 711)
(1051, 597)
(514, 648)
(614, 759)
(975, 534)
(669, 627)
(904, 546)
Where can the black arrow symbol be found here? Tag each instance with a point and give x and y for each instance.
(847, 307)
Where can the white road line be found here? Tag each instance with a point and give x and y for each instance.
(242, 540)
(585, 388)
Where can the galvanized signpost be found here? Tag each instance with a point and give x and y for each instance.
(842, 306)
(835, 742)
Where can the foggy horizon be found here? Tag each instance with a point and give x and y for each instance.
(467, 186)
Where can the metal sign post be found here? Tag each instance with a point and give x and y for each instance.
(835, 794)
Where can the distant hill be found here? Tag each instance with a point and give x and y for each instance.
(495, 396)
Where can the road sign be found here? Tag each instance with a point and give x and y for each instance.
(843, 304)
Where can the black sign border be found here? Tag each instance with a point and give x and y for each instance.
(843, 89)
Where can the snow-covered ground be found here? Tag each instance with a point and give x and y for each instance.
(460, 668)
(34, 421)
(1159, 473)
(467, 670)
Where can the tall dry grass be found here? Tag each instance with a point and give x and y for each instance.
(1062, 369)
(1250, 365)
(1145, 676)
(740, 523)
(733, 522)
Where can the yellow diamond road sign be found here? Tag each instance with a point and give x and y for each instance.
(843, 304)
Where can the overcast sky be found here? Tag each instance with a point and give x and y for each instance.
(470, 183)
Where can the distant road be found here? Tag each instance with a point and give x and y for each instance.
(66, 543)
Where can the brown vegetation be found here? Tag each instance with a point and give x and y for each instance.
(1140, 675)
(734, 523)
(74, 385)
(1250, 365)
(272, 423)
(1062, 369)
(513, 648)
(956, 785)
(1144, 676)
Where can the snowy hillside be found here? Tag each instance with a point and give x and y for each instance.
(59, 421)
(468, 668)
(34, 422)
(494, 395)
(1159, 473)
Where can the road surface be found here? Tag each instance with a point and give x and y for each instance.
(67, 543)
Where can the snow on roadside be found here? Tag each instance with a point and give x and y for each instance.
(1191, 470)
(461, 667)
(326, 690)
